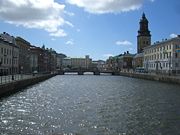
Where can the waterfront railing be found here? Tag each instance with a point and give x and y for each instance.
(16, 77)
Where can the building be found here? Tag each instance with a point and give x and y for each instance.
(143, 40)
(66, 63)
(59, 60)
(24, 55)
(125, 61)
(122, 62)
(53, 60)
(163, 57)
(138, 60)
(144, 36)
(99, 64)
(9, 55)
(76, 63)
(41, 58)
(81, 62)
(33, 60)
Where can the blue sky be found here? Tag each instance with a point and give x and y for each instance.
(98, 28)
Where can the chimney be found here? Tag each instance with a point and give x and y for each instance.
(127, 52)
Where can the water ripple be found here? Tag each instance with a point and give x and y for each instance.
(92, 105)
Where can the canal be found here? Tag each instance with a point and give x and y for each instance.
(92, 105)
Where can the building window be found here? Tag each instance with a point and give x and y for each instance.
(176, 46)
(166, 64)
(170, 54)
(4, 50)
(176, 55)
(176, 64)
(4, 60)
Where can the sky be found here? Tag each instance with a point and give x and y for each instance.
(99, 28)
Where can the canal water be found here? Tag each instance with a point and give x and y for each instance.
(92, 105)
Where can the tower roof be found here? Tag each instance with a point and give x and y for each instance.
(143, 15)
(144, 19)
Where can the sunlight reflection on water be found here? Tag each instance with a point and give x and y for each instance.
(92, 105)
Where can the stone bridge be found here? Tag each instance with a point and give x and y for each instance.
(81, 72)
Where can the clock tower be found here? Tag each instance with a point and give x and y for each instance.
(144, 36)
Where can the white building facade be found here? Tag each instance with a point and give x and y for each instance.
(163, 57)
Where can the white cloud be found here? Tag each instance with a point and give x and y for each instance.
(69, 13)
(125, 42)
(173, 35)
(38, 14)
(107, 6)
(70, 42)
(70, 24)
(58, 33)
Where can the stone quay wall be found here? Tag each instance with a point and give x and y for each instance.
(15, 86)
(160, 78)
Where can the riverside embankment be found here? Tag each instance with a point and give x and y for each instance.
(154, 77)
(14, 86)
